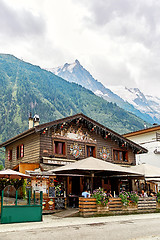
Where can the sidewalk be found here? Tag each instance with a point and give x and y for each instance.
(51, 221)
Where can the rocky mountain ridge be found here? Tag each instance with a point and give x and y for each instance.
(130, 99)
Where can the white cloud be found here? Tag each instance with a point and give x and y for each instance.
(116, 40)
(19, 24)
(131, 31)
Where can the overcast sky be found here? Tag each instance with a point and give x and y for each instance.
(118, 41)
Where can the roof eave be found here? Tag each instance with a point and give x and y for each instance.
(41, 127)
(142, 131)
(78, 115)
(17, 137)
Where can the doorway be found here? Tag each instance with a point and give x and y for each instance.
(76, 185)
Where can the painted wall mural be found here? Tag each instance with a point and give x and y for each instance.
(75, 134)
(105, 153)
(75, 150)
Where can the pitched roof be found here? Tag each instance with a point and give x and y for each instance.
(146, 130)
(17, 137)
(90, 123)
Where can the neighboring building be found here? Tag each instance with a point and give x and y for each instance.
(148, 138)
(66, 140)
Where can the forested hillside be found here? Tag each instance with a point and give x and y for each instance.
(25, 87)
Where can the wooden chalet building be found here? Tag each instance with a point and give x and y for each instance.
(67, 140)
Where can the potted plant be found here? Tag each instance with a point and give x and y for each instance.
(158, 200)
(124, 198)
(129, 200)
(101, 200)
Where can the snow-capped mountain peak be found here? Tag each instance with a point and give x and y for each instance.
(69, 67)
(65, 68)
(75, 72)
(145, 104)
(130, 99)
(127, 94)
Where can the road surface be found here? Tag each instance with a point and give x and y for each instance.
(129, 227)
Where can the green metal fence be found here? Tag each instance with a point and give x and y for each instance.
(17, 212)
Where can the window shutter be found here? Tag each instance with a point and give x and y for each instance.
(54, 148)
(59, 148)
(87, 152)
(64, 149)
(17, 152)
(8, 155)
(22, 150)
(126, 156)
(94, 152)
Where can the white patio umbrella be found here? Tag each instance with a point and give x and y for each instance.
(95, 165)
(149, 171)
(8, 173)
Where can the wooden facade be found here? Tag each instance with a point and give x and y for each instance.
(67, 140)
(47, 147)
(31, 145)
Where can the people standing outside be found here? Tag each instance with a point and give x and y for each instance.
(109, 194)
(143, 194)
(85, 193)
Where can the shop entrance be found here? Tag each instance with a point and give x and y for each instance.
(76, 185)
(115, 186)
(97, 183)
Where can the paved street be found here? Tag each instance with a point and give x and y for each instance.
(131, 227)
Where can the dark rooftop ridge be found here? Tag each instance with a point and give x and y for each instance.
(99, 128)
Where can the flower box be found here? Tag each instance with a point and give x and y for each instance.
(102, 209)
(131, 207)
(158, 205)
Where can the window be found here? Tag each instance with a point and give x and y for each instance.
(91, 152)
(59, 148)
(115, 154)
(119, 155)
(20, 151)
(10, 155)
(157, 136)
